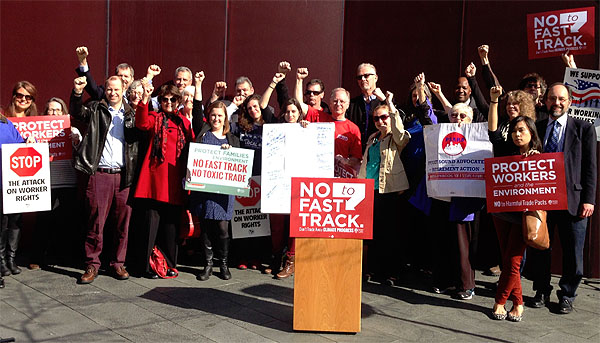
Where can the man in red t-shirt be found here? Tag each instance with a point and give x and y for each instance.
(347, 135)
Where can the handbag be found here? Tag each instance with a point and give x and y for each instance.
(159, 264)
(190, 225)
(535, 229)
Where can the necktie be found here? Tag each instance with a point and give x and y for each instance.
(552, 143)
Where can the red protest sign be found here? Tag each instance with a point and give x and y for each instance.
(553, 33)
(26, 161)
(54, 130)
(517, 183)
(332, 208)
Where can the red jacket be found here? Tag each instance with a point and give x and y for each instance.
(162, 181)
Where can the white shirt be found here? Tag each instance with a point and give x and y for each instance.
(112, 155)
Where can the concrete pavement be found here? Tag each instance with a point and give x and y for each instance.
(48, 306)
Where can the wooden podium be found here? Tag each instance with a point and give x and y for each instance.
(328, 284)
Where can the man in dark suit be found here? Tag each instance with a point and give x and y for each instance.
(577, 140)
(359, 111)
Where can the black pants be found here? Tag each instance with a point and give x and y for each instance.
(161, 228)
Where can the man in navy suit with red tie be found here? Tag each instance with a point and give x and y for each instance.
(577, 140)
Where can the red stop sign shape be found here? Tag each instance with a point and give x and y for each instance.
(26, 161)
(254, 197)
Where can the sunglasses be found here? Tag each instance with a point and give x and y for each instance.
(382, 117)
(309, 93)
(171, 100)
(456, 115)
(363, 76)
(21, 96)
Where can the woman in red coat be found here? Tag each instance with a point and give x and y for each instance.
(159, 190)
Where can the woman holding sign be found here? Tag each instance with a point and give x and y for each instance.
(381, 162)
(9, 230)
(159, 191)
(215, 210)
(522, 139)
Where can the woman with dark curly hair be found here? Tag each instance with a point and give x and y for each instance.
(254, 113)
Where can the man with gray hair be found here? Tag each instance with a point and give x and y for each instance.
(361, 106)
(181, 79)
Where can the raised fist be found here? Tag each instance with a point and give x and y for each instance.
(435, 88)
(301, 73)
(80, 84)
(389, 96)
(470, 70)
(483, 51)
(495, 93)
(220, 87)
(82, 54)
(284, 67)
(153, 70)
(238, 100)
(379, 94)
(148, 89)
(278, 77)
(199, 77)
(420, 80)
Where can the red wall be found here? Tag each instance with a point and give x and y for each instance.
(227, 39)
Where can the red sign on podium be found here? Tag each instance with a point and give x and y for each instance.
(332, 208)
(515, 183)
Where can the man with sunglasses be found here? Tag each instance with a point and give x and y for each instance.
(108, 155)
(313, 93)
(359, 111)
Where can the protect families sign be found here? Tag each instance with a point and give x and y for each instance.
(54, 130)
(552, 33)
(455, 159)
(215, 170)
(332, 208)
(25, 178)
(516, 183)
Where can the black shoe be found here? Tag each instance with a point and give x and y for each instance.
(12, 266)
(205, 274)
(151, 275)
(540, 300)
(565, 306)
(225, 273)
(172, 273)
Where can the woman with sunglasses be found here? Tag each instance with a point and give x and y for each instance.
(381, 162)
(159, 191)
(214, 210)
(9, 230)
(22, 103)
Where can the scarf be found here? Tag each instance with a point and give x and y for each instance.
(159, 143)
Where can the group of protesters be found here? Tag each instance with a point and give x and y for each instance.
(130, 145)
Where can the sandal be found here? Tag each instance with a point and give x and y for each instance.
(498, 316)
(514, 318)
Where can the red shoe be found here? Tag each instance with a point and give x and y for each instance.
(242, 265)
(255, 264)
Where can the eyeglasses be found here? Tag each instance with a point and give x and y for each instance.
(456, 115)
(171, 100)
(55, 110)
(309, 93)
(21, 96)
(533, 85)
(382, 117)
(363, 76)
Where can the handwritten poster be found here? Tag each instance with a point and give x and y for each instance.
(290, 150)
